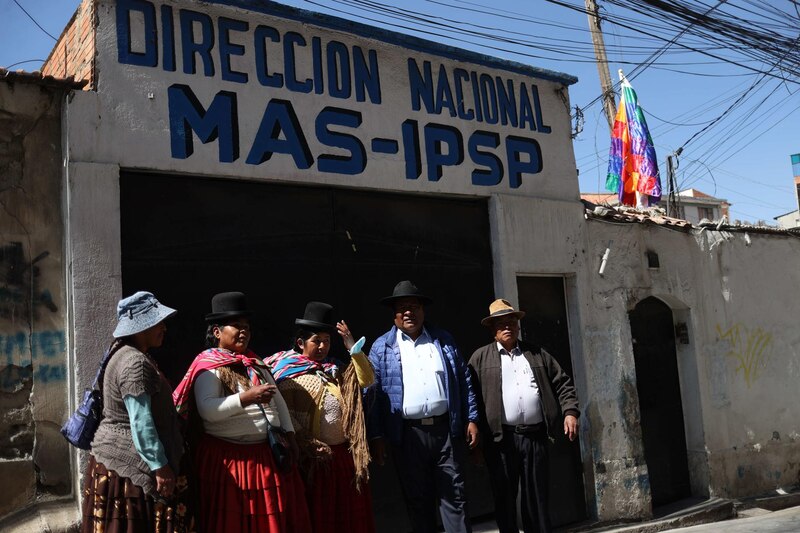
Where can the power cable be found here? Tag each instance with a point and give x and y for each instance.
(34, 20)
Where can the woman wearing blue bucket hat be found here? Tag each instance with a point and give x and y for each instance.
(130, 483)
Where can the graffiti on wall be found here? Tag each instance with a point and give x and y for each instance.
(39, 355)
(20, 292)
(750, 347)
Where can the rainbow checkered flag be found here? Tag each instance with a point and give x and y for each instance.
(632, 165)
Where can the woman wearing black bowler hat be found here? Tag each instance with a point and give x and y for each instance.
(324, 397)
(232, 391)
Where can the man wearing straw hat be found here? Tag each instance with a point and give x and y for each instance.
(528, 398)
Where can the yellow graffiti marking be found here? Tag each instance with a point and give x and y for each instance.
(750, 347)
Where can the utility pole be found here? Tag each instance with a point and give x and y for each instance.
(673, 201)
(609, 104)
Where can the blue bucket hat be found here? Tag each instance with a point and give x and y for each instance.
(139, 312)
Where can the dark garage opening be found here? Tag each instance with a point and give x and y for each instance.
(543, 298)
(187, 238)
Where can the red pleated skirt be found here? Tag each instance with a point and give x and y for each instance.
(241, 490)
(333, 501)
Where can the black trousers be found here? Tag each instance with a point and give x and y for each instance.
(429, 467)
(519, 457)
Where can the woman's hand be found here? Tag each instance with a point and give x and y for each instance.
(165, 481)
(258, 394)
(347, 336)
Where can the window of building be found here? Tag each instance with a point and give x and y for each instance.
(705, 212)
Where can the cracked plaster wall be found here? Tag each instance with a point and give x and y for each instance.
(33, 369)
(739, 296)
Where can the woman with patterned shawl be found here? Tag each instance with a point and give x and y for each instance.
(324, 398)
(229, 394)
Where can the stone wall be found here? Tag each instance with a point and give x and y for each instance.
(34, 457)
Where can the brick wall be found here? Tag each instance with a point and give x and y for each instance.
(74, 53)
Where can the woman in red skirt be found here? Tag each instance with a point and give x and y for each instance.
(231, 398)
(324, 397)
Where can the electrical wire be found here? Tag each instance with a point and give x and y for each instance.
(34, 20)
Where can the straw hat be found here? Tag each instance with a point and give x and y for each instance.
(500, 308)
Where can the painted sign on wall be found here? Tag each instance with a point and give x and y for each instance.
(260, 89)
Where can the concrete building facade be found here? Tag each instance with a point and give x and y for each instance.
(241, 145)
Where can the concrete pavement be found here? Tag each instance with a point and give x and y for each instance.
(758, 521)
(750, 520)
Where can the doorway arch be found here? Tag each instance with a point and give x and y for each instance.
(660, 401)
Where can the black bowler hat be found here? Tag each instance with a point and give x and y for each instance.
(227, 305)
(317, 317)
(406, 289)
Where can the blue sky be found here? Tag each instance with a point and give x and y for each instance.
(744, 158)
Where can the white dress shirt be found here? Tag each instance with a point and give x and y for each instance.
(521, 403)
(424, 393)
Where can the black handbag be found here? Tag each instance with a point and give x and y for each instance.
(277, 439)
(280, 447)
(80, 427)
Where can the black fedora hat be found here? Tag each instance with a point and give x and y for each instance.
(227, 305)
(406, 289)
(317, 316)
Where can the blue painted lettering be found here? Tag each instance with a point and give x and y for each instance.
(338, 70)
(125, 53)
(436, 137)
(492, 175)
(411, 149)
(525, 109)
(228, 49)
(190, 48)
(421, 85)
(507, 101)
(356, 162)
(515, 147)
(473, 76)
(289, 63)
(367, 78)
(444, 95)
(21, 347)
(200, 37)
(461, 76)
(187, 115)
(260, 36)
(316, 54)
(168, 41)
(488, 99)
(538, 107)
(280, 118)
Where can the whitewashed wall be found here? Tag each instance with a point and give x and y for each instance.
(738, 293)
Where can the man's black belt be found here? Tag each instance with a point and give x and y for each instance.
(427, 422)
(526, 429)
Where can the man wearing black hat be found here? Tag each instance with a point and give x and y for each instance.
(422, 402)
(525, 394)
